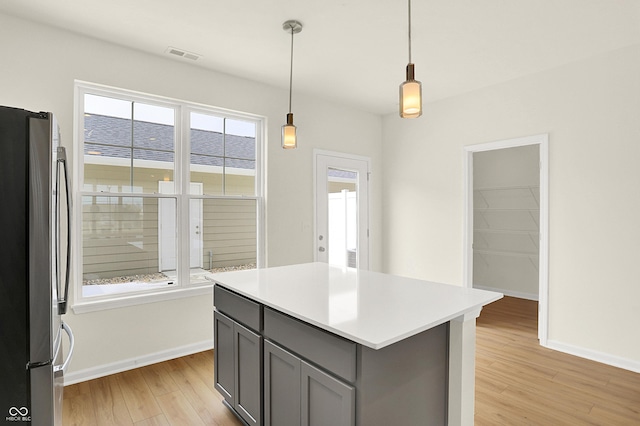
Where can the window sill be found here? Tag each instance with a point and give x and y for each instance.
(115, 302)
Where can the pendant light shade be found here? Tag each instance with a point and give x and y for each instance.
(411, 89)
(410, 96)
(289, 137)
(289, 140)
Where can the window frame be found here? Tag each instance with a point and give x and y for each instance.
(181, 175)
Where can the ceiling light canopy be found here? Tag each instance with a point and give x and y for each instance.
(289, 138)
(411, 89)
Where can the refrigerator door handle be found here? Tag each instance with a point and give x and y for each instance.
(62, 158)
(72, 344)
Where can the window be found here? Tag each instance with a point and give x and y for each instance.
(168, 193)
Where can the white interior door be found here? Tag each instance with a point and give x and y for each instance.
(167, 234)
(342, 209)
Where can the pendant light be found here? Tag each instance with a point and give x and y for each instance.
(289, 139)
(411, 89)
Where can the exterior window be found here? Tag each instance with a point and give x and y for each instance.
(169, 193)
(223, 154)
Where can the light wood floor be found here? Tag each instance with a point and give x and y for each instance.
(178, 392)
(517, 383)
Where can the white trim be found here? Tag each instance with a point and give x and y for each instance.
(337, 154)
(182, 109)
(261, 191)
(182, 178)
(467, 263)
(131, 363)
(616, 361)
(509, 143)
(110, 91)
(511, 293)
(122, 300)
(77, 177)
(468, 316)
(462, 367)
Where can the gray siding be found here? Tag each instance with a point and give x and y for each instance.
(120, 235)
(229, 232)
(119, 238)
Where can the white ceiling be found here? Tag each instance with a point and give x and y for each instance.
(355, 51)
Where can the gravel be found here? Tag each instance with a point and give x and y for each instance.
(159, 276)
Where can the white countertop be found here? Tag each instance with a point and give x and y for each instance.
(369, 308)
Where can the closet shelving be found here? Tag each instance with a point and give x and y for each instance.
(506, 223)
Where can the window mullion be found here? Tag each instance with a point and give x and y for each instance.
(224, 156)
(182, 150)
(132, 144)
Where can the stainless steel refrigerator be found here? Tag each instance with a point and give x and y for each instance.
(35, 246)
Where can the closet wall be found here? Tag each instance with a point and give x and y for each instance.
(506, 220)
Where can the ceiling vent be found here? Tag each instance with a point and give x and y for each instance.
(182, 53)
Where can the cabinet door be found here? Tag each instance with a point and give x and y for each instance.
(281, 387)
(224, 361)
(325, 400)
(248, 351)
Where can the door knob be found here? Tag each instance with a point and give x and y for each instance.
(321, 249)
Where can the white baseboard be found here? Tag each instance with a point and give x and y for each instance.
(616, 361)
(506, 292)
(131, 363)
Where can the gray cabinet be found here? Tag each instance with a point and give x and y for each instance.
(298, 393)
(326, 401)
(224, 361)
(238, 367)
(248, 372)
(281, 387)
(330, 352)
(276, 370)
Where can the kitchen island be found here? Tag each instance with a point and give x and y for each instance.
(317, 344)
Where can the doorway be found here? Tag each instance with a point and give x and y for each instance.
(506, 230)
(506, 221)
(341, 209)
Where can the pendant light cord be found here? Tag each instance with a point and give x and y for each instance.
(291, 71)
(409, 31)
